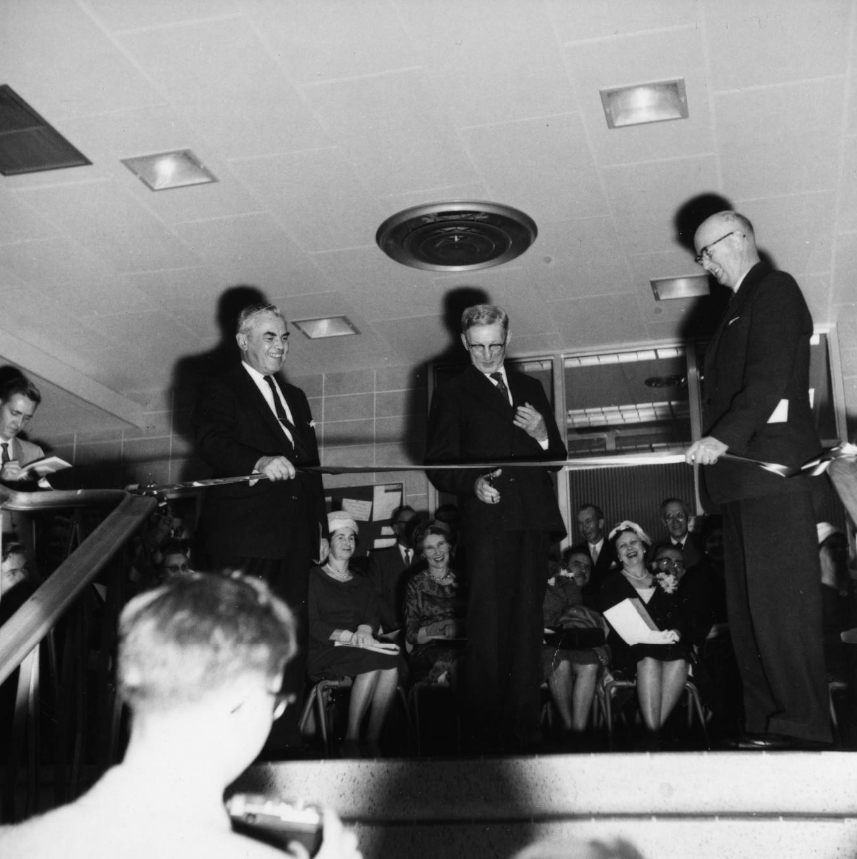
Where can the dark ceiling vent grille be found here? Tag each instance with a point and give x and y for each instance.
(456, 236)
(27, 143)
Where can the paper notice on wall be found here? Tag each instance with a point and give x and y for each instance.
(387, 499)
(361, 511)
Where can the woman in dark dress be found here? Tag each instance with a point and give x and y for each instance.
(661, 663)
(435, 611)
(343, 616)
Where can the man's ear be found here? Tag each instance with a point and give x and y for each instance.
(601, 525)
(241, 340)
(464, 341)
(508, 335)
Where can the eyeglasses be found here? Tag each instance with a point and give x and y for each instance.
(177, 568)
(705, 254)
(668, 563)
(675, 517)
(490, 349)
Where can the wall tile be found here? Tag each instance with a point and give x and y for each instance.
(349, 432)
(401, 378)
(390, 403)
(312, 386)
(351, 382)
(349, 407)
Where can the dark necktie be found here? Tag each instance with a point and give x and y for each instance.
(501, 386)
(282, 417)
(5, 458)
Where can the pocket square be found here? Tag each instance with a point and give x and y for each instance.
(734, 319)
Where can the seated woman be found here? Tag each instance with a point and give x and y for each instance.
(571, 673)
(657, 657)
(343, 617)
(435, 611)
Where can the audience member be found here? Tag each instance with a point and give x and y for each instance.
(17, 582)
(200, 665)
(175, 561)
(661, 660)
(576, 561)
(570, 663)
(565, 848)
(344, 617)
(675, 515)
(248, 421)
(509, 518)
(435, 612)
(19, 399)
(837, 600)
(590, 526)
(388, 570)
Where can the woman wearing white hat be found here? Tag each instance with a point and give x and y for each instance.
(343, 617)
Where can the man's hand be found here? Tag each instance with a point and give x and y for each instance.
(337, 842)
(11, 471)
(275, 467)
(706, 451)
(531, 422)
(485, 492)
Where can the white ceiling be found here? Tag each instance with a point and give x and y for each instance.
(321, 118)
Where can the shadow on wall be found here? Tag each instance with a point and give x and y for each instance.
(451, 354)
(192, 370)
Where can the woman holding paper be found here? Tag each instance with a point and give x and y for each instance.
(645, 613)
(343, 616)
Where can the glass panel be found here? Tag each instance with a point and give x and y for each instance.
(627, 401)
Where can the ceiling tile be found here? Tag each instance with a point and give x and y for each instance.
(86, 72)
(417, 338)
(542, 166)
(846, 220)
(364, 117)
(595, 19)
(845, 269)
(18, 223)
(490, 68)
(110, 224)
(157, 13)
(647, 197)
(598, 320)
(579, 258)
(781, 140)
(321, 41)
(769, 41)
(316, 196)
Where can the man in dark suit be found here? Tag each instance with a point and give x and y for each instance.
(590, 525)
(509, 517)
(388, 569)
(248, 421)
(756, 404)
(676, 517)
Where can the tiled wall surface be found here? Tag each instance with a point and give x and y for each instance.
(846, 326)
(363, 418)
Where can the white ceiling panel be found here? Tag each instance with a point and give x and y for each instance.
(155, 14)
(364, 115)
(542, 166)
(595, 19)
(597, 320)
(490, 68)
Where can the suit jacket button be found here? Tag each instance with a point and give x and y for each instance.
(294, 497)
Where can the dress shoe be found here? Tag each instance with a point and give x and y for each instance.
(762, 742)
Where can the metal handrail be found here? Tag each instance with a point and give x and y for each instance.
(40, 613)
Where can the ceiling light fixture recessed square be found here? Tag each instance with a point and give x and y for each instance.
(642, 103)
(167, 170)
(690, 286)
(325, 326)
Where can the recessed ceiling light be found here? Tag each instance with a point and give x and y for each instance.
(167, 170)
(642, 103)
(326, 326)
(690, 286)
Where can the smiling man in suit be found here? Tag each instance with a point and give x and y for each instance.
(249, 421)
(756, 404)
(509, 517)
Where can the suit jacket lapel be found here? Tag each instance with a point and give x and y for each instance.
(486, 391)
(254, 399)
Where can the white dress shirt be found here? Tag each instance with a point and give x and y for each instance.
(265, 390)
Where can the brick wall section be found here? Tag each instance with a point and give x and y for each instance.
(363, 418)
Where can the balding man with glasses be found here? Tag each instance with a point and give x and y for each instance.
(756, 404)
(509, 517)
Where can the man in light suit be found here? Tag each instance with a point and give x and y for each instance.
(248, 421)
(509, 517)
(19, 399)
(756, 404)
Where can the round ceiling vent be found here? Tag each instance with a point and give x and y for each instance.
(456, 236)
